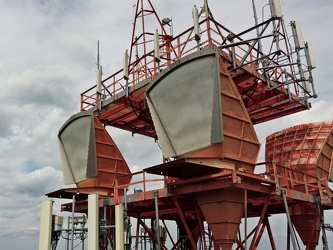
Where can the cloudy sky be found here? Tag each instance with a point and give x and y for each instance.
(47, 58)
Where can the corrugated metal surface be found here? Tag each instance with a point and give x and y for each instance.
(307, 148)
(185, 104)
(90, 158)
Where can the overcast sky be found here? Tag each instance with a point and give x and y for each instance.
(47, 58)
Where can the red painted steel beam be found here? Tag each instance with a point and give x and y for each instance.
(261, 219)
(127, 117)
(105, 114)
(137, 234)
(202, 186)
(269, 115)
(261, 231)
(202, 231)
(240, 245)
(151, 233)
(247, 237)
(222, 183)
(270, 235)
(265, 100)
(189, 234)
(168, 232)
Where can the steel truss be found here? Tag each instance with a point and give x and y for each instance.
(267, 72)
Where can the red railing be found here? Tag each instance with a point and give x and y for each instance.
(143, 179)
(298, 184)
(172, 49)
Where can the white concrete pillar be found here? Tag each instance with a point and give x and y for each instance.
(120, 236)
(93, 222)
(45, 228)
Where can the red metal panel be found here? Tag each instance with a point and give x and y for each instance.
(240, 146)
(110, 162)
(305, 147)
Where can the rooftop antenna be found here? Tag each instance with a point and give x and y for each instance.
(157, 49)
(276, 10)
(311, 62)
(276, 13)
(125, 71)
(97, 54)
(98, 79)
(168, 21)
(299, 45)
(196, 26)
(310, 56)
(206, 8)
(263, 62)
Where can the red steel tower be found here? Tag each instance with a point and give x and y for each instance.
(199, 94)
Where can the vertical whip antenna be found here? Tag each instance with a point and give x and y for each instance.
(97, 63)
(98, 79)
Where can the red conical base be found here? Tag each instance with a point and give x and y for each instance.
(307, 223)
(223, 210)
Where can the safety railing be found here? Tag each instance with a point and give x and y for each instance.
(140, 181)
(305, 182)
(234, 48)
(302, 185)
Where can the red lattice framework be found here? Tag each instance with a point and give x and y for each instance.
(268, 81)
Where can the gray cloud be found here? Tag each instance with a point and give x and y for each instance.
(20, 204)
(41, 87)
(137, 150)
(48, 54)
(34, 184)
(5, 129)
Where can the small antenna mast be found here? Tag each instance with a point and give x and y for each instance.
(97, 54)
(134, 10)
(206, 8)
(99, 80)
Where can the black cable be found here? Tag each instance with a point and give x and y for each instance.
(139, 116)
(254, 90)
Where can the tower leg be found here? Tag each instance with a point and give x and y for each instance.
(290, 226)
(322, 222)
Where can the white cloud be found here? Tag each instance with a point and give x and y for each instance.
(20, 204)
(137, 150)
(48, 55)
(33, 184)
(40, 86)
(321, 111)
